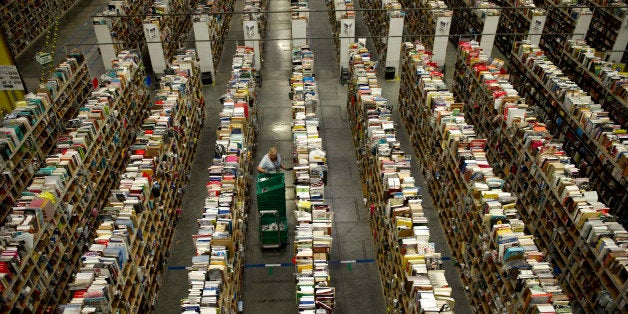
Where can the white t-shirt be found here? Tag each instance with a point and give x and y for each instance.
(270, 166)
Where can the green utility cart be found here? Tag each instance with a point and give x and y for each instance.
(271, 206)
(273, 229)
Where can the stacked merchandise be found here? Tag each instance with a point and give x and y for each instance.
(123, 82)
(606, 82)
(409, 265)
(579, 223)
(378, 21)
(595, 141)
(122, 269)
(67, 98)
(47, 189)
(58, 204)
(215, 276)
(558, 207)
(313, 238)
(28, 133)
(500, 263)
(218, 23)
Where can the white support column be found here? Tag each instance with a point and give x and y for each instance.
(155, 48)
(488, 33)
(105, 41)
(299, 30)
(536, 28)
(347, 34)
(620, 41)
(582, 23)
(251, 39)
(393, 49)
(443, 24)
(202, 36)
(339, 6)
(119, 5)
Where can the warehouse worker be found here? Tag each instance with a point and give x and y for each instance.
(271, 162)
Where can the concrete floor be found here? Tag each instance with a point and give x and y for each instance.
(390, 90)
(358, 289)
(272, 289)
(175, 281)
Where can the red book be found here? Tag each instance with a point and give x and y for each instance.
(78, 294)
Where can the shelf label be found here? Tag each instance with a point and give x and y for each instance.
(10, 78)
(43, 58)
(536, 28)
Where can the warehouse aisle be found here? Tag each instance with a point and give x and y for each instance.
(272, 289)
(358, 285)
(175, 282)
(391, 92)
(437, 236)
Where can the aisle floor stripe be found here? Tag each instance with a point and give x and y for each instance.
(354, 261)
(176, 267)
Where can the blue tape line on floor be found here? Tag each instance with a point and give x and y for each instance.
(365, 261)
(176, 267)
(254, 265)
(356, 261)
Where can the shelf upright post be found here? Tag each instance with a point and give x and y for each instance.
(582, 24)
(621, 41)
(340, 8)
(251, 39)
(488, 32)
(347, 36)
(393, 47)
(443, 24)
(202, 37)
(102, 28)
(299, 31)
(299, 26)
(155, 47)
(536, 28)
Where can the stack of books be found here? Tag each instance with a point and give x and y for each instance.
(313, 238)
(135, 222)
(215, 274)
(419, 272)
(505, 243)
(610, 140)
